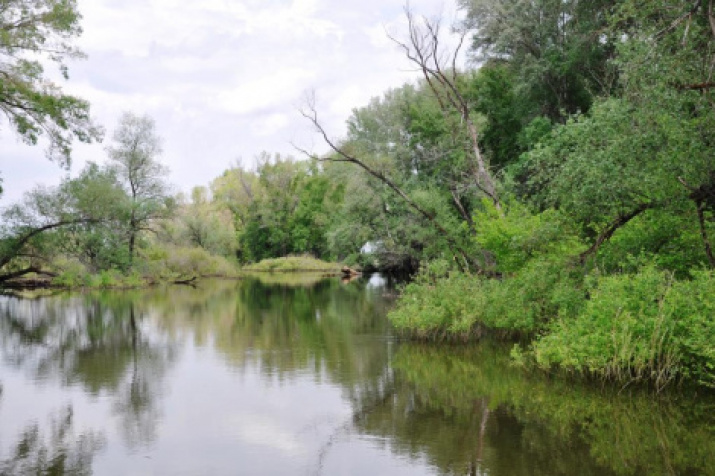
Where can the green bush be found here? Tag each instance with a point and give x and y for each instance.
(644, 326)
(446, 308)
(293, 263)
(534, 255)
(516, 236)
(72, 274)
(461, 306)
(168, 263)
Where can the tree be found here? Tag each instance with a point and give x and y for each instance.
(32, 31)
(439, 69)
(78, 217)
(97, 244)
(134, 155)
(645, 156)
(202, 222)
(558, 49)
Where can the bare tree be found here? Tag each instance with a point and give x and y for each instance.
(439, 68)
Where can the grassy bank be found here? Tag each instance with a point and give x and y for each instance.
(644, 326)
(154, 265)
(290, 264)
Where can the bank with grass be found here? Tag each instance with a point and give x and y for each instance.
(293, 264)
(637, 321)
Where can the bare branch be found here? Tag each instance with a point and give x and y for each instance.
(310, 113)
(674, 24)
(423, 49)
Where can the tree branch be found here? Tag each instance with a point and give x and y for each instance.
(704, 233)
(311, 115)
(17, 246)
(608, 232)
(23, 272)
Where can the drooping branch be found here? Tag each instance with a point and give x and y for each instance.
(23, 272)
(695, 87)
(310, 113)
(674, 24)
(702, 196)
(606, 234)
(460, 207)
(19, 243)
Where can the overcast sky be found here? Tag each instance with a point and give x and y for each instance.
(224, 78)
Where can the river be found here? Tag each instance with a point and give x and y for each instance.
(303, 376)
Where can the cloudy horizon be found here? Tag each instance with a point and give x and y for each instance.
(223, 79)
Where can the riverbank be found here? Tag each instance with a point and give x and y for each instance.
(647, 326)
(79, 278)
(294, 264)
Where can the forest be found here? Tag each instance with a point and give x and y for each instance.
(557, 192)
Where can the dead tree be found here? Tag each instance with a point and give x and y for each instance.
(439, 69)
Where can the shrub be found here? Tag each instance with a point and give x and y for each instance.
(162, 263)
(293, 263)
(72, 274)
(643, 326)
(461, 306)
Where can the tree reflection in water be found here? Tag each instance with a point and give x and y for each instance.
(471, 410)
(52, 451)
(445, 410)
(96, 341)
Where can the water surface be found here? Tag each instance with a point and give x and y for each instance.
(303, 376)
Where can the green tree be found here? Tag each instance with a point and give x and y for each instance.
(96, 244)
(32, 32)
(205, 223)
(558, 49)
(134, 154)
(80, 217)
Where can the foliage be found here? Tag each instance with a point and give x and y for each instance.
(464, 307)
(644, 326)
(33, 33)
(160, 263)
(203, 223)
(517, 236)
(558, 50)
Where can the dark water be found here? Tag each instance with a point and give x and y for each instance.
(303, 378)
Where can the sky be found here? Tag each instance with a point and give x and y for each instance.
(223, 79)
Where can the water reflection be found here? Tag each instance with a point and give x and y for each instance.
(535, 424)
(95, 341)
(303, 376)
(53, 450)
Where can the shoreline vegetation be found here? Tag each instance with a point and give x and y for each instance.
(79, 278)
(561, 195)
(294, 264)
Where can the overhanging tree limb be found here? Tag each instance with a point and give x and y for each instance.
(310, 113)
(17, 244)
(702, 196)
(606, 234)
(23, 272)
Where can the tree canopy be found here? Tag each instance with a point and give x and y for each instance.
(33, 33)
